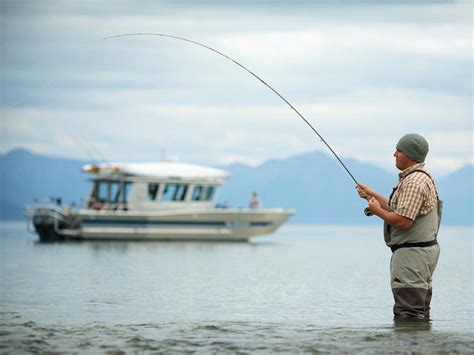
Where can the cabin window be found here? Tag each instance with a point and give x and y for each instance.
(152, 191)
(114, 191)
(180, 192)
(111, 191)
(101, 191)
(127, 186)
(174, 192)
(203, 193)
(109, 194)
(197, 193)
(210, 193)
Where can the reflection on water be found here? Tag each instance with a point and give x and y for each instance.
(305, 289)
(100, 248)
(407, 326)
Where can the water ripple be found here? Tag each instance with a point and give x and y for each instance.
(214, 337)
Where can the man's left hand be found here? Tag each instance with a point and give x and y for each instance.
(374, 205)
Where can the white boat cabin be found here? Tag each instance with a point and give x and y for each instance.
(153, 186)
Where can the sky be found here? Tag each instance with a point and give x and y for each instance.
(363, 73)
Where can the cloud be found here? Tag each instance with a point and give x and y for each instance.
(362, 74)
(365, 125)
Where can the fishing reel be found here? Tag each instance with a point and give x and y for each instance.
(368, 212)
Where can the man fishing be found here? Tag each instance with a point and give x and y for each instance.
(411, 216)
(412, 213)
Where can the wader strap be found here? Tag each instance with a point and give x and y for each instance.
(414, 245)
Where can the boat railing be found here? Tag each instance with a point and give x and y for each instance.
(107, 206)
(47, 208)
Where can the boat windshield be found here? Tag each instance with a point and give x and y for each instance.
(109, 193)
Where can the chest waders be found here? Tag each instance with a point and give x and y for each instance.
(415, 255)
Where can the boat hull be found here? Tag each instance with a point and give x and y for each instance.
(216, 224)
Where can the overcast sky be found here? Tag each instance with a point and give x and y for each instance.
(362, 72)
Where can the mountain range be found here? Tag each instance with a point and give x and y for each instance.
(314, 184)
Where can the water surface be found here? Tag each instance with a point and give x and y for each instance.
(304, 289)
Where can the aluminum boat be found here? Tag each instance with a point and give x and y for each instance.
(154, 201)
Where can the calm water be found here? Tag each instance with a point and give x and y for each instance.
(305, 289)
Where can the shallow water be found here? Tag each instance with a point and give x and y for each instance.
(305, 289)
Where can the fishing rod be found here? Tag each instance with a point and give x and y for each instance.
(254, 75)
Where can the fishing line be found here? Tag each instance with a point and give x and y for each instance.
(253, 74)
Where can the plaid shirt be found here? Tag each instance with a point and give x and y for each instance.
(415, 194)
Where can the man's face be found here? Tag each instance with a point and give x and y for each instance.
(401, 160)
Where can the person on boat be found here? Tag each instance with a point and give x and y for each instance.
(254, 201)
(411, 215)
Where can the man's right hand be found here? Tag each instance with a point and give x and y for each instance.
(364, 191)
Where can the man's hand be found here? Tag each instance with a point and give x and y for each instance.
(392, 218)
(364, 191)
(367, 193)
(374, 205)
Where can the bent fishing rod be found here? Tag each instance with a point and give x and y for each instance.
(254, 75)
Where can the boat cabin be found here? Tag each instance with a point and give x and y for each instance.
(153, 186)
